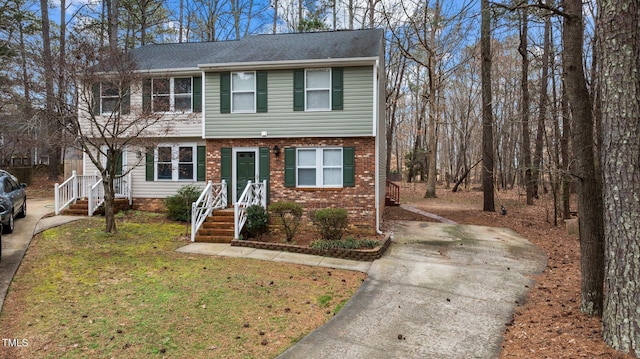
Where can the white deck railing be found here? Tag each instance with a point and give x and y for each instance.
(90, 187)
(214, 196)
(253, 194)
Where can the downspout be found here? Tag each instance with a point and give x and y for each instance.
(376, 129)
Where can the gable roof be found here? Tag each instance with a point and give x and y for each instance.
(294, 47)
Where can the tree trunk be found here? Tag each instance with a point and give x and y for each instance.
(542, 114)
(620, 61)
(589, 195)
(487, 109)
(524, 83)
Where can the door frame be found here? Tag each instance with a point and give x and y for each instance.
(234, 168)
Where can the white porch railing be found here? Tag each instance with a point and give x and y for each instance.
(213, 196)
(90, 187)
(253, 194)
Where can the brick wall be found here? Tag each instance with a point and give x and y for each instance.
(358, 200)
(149, 204)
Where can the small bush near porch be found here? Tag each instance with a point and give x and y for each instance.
(81, 293)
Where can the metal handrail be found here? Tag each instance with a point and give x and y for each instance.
(253, 194)
(213, 196)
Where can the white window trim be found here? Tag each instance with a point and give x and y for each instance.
(117, 97)
(254, 92)
(172, 97)
(307, 89)
(175, 162)
(319, 167)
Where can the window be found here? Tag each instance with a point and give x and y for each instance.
(175, 162)
(243, 92)
(318, 90)
(109, 97)
(171, 94)
(319, 167)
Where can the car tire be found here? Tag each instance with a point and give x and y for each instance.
(23, 210)
(8, 228)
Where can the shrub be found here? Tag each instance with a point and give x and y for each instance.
(290, 214)
(348, 243)
(332, 222)
(179, 205)
(257, 220)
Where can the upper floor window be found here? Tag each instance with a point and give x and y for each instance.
(243, 92)
(318, 90)
(171, 94)
(109, 97)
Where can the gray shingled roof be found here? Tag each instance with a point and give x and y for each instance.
(262, 48)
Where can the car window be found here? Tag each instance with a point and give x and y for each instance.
(14, 185)
(8, 186)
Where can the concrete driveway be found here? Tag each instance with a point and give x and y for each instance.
(440, 291)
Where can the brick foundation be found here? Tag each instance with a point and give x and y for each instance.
(149, 205)
(359, 201)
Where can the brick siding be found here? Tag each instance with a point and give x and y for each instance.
(359, 201)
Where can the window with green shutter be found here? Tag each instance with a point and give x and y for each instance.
(323, 167)
(318, 89)
(261, 91)
(201, 163)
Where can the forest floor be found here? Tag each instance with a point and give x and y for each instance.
(549, 324)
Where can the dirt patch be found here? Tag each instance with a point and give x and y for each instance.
(549, 324)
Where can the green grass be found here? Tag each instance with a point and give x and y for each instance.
(83, 293)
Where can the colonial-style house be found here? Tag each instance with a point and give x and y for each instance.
(301, 114)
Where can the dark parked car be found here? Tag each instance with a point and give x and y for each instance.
(14, 200)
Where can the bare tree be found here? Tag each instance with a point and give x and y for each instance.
(104, 132)
(487, 110)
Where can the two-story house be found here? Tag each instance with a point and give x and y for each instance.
(303, 112)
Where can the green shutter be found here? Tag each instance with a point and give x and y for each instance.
(225, 169)
(225, 92)
(348, 167)
(201, 164)
(95, 99)
(261, 90)
(264, 168)
(125, 105)
(196, 99)
(290, 167)
(298, 90)
(146, 95)
(149, 164)
(337, 93)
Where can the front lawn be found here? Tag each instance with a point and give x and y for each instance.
(81, 293)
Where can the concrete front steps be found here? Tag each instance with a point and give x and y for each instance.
(217, 228)
(81, 207)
